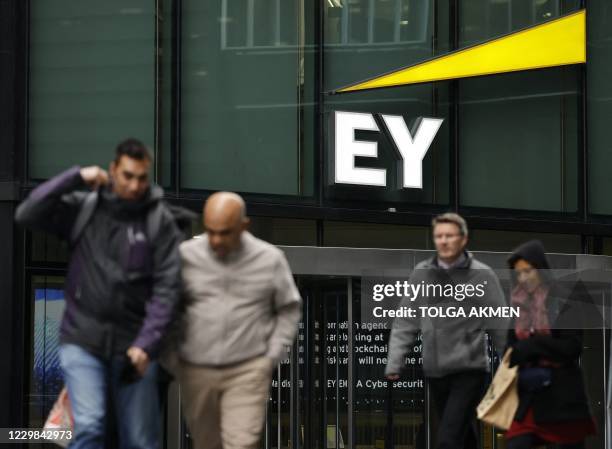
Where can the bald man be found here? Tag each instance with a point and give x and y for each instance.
(241, 311)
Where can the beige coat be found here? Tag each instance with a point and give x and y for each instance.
(237, 309)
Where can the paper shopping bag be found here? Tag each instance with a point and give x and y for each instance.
(499, 404)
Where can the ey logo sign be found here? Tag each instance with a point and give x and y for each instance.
(554, 43)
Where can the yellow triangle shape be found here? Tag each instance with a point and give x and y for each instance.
(558, 42)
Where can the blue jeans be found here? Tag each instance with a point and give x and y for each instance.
(91, 381)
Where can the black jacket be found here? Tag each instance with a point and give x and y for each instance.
(565, 398)
(121, 288)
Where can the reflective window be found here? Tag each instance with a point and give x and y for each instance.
(599, 106)
(247, 96)
(518, 141)
(385, 22)
(368, 38)
(518, 133)
(485, 19)
(91, 81)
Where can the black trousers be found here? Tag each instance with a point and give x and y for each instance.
(456, 397)
(528, 441)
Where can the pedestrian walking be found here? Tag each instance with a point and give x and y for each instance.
(241, 311)
(546, 343)
(454, 350)
(121, 289)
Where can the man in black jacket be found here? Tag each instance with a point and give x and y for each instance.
(121, 289)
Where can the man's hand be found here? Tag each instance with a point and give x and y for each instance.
(94, 176)
(392, 376)
(139, 358)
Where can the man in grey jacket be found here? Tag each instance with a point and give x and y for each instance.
(241, 311)
(454, 349)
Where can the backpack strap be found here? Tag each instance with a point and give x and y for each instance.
(182, 218)
(85, 213)
(154, 220)
(88, 206)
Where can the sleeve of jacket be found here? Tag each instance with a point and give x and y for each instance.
(404, 333)
(497, 326)
(166, 288)
(287, 304)
(563, 347)
(49, 207)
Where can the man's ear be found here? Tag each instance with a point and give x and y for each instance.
(246, 223)
(112, 167)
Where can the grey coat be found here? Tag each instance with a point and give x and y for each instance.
(452, 344)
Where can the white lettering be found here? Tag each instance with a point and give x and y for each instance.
(412, 148)
(347, 148)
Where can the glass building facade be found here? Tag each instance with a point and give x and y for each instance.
(238, 95)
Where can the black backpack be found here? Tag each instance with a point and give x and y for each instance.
(181, 216)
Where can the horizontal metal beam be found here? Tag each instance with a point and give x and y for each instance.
(325, 261)
(478, 218)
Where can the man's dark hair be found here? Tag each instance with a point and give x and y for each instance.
(132, 148)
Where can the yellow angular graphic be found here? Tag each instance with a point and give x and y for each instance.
(558, 42)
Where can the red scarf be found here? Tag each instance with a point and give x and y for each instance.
(533, 316)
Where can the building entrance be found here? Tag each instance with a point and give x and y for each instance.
(329, 392)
